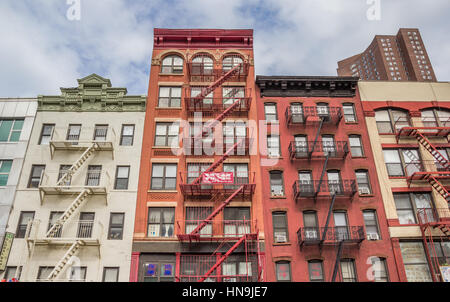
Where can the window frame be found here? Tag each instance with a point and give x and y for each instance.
(111, 225)
(321, 267)
(170, 98)
(161, 221)
(412, 203)
(280, 229)
(12, 131)
(360, 147)
(348, 105)
(116, 268)
(30, 180)
(391, 119)
(121, 178)
(167, 137)
(281, 262)
(280, 173)
(275, 115)
(403, 163)
(122, 135)
(41, 136)
(2, 161)
(367, 176)
(164, 177)
(98, 127)
(353, 266)
(376, 224)
(20, 223)
(270, 147)
(68, 136)
(172, 65)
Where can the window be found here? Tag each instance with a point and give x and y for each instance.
(435, 118)
(402, 162)
(230, 95)
(297, 113)
(164, 177)
(5, 168)
(371, 223)
(110, 274)
(356, 146)
(44, 272)
(415, 262)
(390, 119)
(329, 146)
(379, 267)
(24, 218)
(161, 222)
(194, 216)
(229, 62)
(201, 65)
(442, 255)
(195, 170)
(100, 132)
(46, 134)
(301, 146)
(166, 134)
(85, 225)
(207, 101)
(236, 221)
(169, 97)
(78, 273)
(54, 216)
(10, 129)
(63, 169)
(172, 64)
(73, 132)
(276, 183)
(283, 269)
(362, 178)
(348, 270)
(11, 273)
(273, 146)
(341, 225)
(315, 268)
(159, 271)
(127, 136)
(233, 132)
(408, 204)
(311, 229)
(237, 269)
(240, 172)
(280, 230)
(323, 110)
(116, 223)
(349, 113)
(93, 175)
(335, 182)
(122, 176)
(270, 110)
(35, 176)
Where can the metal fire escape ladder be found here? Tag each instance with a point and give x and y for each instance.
(434, 182)
(325, 164)
(216, 211)
(436, 154)
(324, 234)
(64, 260)
(317, 136)
(217, 83)
(338, 259)
(68, 213)
(77, 165)
(223, 258)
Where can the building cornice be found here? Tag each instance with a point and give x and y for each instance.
(300, 86)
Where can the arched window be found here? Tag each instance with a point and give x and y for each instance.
(231, 61)
(202, 64)
(172, 64)
(436, 118)
(390, 119)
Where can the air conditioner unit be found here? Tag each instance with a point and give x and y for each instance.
(280, 238)
(274, 154)
(364, 190)
(373, 236)
(311, 234)
(277, 192)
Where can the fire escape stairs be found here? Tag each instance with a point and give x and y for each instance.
(430, 148)
(59, 268)
(77, 165)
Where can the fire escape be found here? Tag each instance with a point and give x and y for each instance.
(66, 233)
(434, 222)
(239, 236)
(307, 189)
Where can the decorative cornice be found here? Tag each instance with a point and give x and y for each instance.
(93, 94)
(298, 86)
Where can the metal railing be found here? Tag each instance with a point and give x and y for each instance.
(328, 114)
(433, 215)
(79, 180)
(211, 147)
(200, 72)
(304, 150)
(349, 234)
(217, 228)
(86, 135)
(305, 189)
(71, 230)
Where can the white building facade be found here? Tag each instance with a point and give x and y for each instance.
(16, 121)
(73, 215)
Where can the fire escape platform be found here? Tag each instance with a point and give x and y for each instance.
(66, 241)
(427, 131)
(79, 146)
(207, 190)
(215, 238)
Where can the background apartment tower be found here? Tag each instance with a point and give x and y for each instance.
(408, 125)
(77, 193)
(187, 229)
(323, 212)
(391, 58)
(16, 121)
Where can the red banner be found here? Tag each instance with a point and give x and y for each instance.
(218, 178)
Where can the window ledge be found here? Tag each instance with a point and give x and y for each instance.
(359, 157)
(164, 108)
(366, 195)
(278, 197)
(171, 74)
(352, 123)
(281, 243)
(165, 147)
(272, 122)
(162, 191)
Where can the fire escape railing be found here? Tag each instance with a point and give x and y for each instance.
(331, 115)
(330, 235)
(306, 150)
(310, 189)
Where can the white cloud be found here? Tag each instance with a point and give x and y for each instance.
(42, 51)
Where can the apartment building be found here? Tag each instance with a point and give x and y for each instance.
(401, 57)
(73, 213)
(16, 121)
(199, 210)
(323, 212)
(408, 125)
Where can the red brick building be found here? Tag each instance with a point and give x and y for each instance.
(402, 57)
(323, 211)
(187, 229)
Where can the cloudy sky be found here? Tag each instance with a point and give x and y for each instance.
(42, 50)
